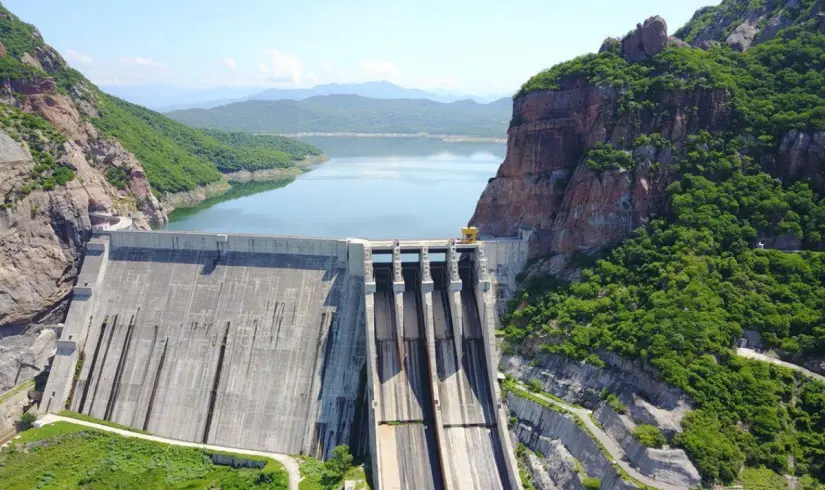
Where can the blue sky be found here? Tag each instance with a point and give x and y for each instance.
(471, 46)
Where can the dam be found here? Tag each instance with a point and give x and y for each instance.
(297, 345)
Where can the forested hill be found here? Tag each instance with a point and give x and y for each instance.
(688, 160)
(355, 114)
(178, 158)
(175, 157)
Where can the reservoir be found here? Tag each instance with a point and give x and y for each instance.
(377, 188)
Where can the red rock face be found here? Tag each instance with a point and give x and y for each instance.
(33, 86)
(544, 182)
(550, 133)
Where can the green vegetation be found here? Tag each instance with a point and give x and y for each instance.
(604, 156)
(534, 385)
(328, 475)
(614, 402)
(524, 474)
(179, 158)
(732, 13)
(11, 69)
(27, 421)
(351, 113)
(63, 455)
(175, 157)
(44, 144)
(649, 435)
(118, 177)
(294, 149)
(592, 483)
(679, 293)
(762, 479)
(776, 86)
(17, 36)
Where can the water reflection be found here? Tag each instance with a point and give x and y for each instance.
(370, 188)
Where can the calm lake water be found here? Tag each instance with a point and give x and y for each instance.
(371, 187)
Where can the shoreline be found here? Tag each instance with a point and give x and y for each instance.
(192, 198)
(447, 138)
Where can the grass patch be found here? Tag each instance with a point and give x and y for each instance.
(65, 455)
(762, 479)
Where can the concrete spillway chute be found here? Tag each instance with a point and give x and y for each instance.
(454, 295)
(398, 288)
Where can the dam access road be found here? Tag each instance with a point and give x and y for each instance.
(296, 345)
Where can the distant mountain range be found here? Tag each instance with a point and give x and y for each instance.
(355, 114)
(167, 99)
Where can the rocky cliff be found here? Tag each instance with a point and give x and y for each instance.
(693, 167)
(55, 168)
(44, 226)
(546, 181)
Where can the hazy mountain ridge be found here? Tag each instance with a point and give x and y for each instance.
(356, 114)
(166, 99)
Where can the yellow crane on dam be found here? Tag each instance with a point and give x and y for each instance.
(469, 234)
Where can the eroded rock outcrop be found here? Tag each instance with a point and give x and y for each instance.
(646, 41)
(669, 465)
(24, 352)
(582, 384)
(539, 428)
(743, 36)
(545, 183)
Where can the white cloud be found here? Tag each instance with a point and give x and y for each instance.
(79, 58)
(379, 70)
(231, 63)
(282, 68)
(148, 62)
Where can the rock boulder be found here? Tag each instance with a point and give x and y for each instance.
(646, 41)
(743, 36)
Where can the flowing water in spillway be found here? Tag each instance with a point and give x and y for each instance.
(233, 350)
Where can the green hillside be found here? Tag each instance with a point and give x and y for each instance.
(354, 114)
(175, 157)
(681, 291)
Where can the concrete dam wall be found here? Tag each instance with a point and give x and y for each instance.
(293, 345)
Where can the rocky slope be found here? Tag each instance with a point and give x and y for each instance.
(546, 183)
(693, 166)
(43, 230)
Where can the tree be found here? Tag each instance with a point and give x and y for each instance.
(340, 463)
(27, 421)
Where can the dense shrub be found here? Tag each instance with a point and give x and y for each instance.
(649, 435)
(679, 293)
